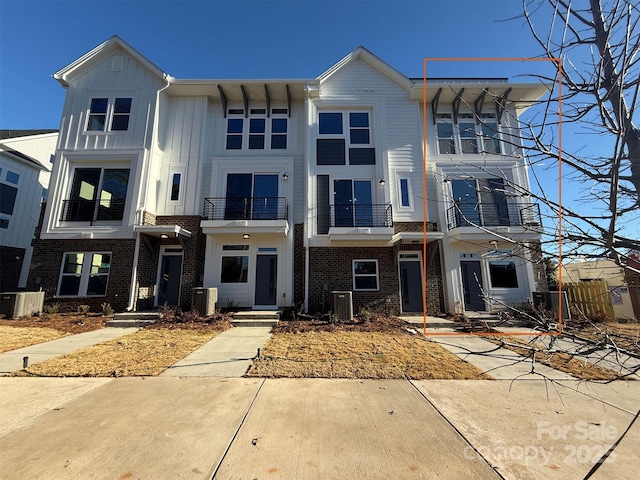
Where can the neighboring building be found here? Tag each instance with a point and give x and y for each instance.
(281, 191)
(25, 167)
(607, 270)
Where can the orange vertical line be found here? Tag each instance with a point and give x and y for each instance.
(559, 63)
(424, 197)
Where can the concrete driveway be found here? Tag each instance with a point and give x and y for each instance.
(242, 428)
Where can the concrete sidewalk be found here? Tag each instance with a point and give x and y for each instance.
(12, 360)
(313, 429)
(500, 363)
(229, 354)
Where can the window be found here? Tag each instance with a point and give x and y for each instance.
(4, 223)
(263, 132)
(467, 137)
(480, 202)
(100, 109)
(234, 133)
(256, 133)
(98, 114)
(333, 143)
(175, 187)
(7, 198)
(278, 133)
(234, 269)
(97, 194)
(503, 274)
(13, 177)
(405, 197)
(253, 197)
(121, 113)
(365, 274)
(84, 274)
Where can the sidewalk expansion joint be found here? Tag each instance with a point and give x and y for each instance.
(235, 434)
(421, 393)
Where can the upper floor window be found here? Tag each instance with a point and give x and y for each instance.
(96, 194)
(8, 193)
(467, 137)
(344, 135)
(101, 110)
(259, 131)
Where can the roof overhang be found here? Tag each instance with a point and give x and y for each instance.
(163, 231)
(519, 95)
(255, 89)
(417, 237)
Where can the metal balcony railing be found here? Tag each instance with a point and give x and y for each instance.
(494, 215)
(246, 208)
(80, 210)
(360, 215)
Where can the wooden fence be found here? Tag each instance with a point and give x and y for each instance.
(591, 297)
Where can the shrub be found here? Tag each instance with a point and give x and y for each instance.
(107, 310)
(83, 309)
(52, 307)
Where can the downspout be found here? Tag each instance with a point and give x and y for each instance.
(306, 223)
(140, 210)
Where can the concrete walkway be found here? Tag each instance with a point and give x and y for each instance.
(500, 363)
(12, 360)
(229, 354)
(313, 429)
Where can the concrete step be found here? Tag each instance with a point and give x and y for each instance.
(254, 323)
(133, 319)
(255, 318)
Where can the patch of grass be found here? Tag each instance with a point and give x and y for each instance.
(17, 337)
(349, 354)
(147, 352)
(63, 322)
(577, 367)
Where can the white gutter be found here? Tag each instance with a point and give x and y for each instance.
(134, 274)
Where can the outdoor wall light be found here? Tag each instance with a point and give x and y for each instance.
(285, 176)
(164, 235)
(246, 236)
(381, 182)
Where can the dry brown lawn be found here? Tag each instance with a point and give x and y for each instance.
(564, 362)
(18, 337)
(147, 352)
(352, 354)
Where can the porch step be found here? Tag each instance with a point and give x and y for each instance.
(255, 318)
(133, 319)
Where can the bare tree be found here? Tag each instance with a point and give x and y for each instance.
(597, 43)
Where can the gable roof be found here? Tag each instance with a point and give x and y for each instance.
(102, 51)
(22, 133)
(374, 61)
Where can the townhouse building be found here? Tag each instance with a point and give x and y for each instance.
(280, 191)
(25, 167)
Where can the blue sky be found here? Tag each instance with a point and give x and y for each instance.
(242, 39)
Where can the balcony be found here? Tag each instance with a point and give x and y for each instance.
(80, 210)
(498, 217)
(245, 215)
(358, 222)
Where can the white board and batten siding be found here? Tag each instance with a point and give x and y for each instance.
(106, 79)
(399, 126)
(183, 146)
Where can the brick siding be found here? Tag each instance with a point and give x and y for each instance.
(47, 261)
